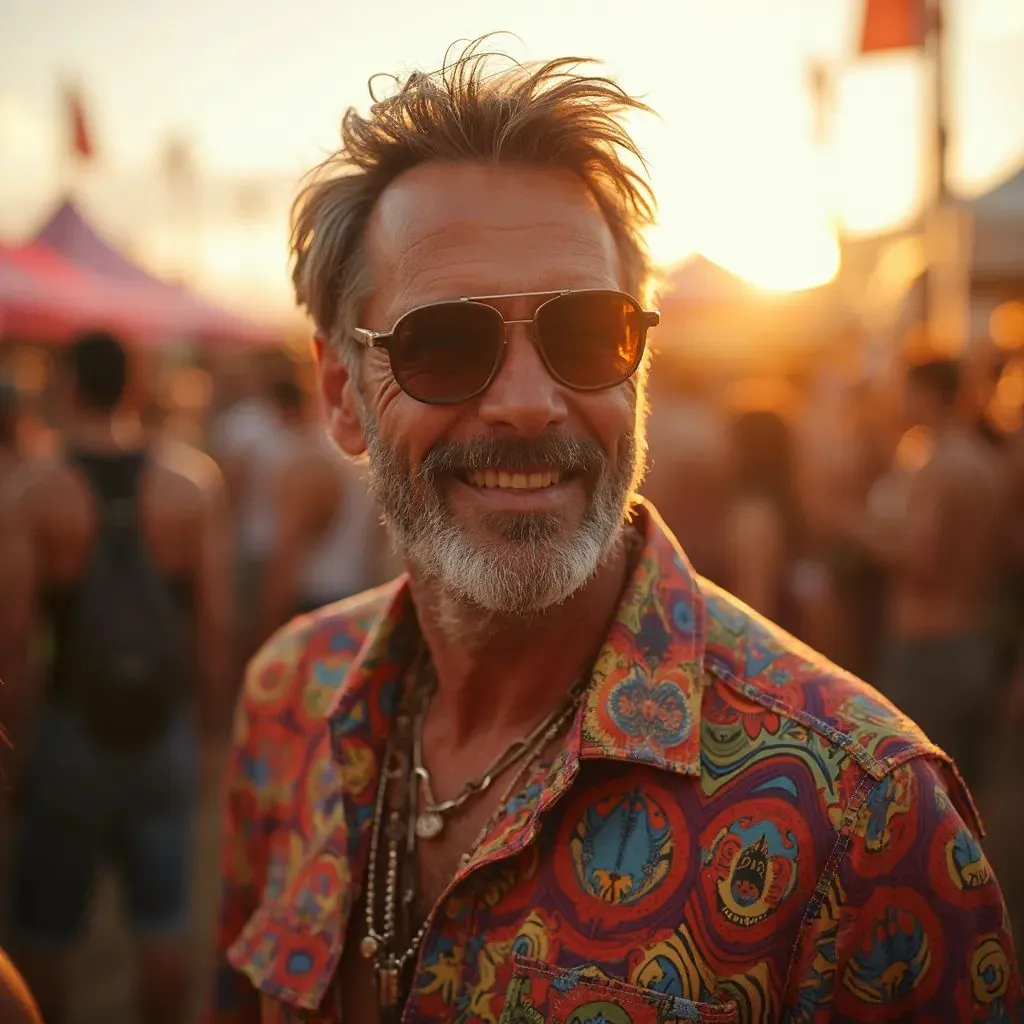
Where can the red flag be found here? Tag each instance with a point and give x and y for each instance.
(81, 140)
(893, 25)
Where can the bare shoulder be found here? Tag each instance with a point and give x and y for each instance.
(191, 475)
(49, 486)
(312, 468)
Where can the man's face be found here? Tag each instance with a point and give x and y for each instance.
(442, 232)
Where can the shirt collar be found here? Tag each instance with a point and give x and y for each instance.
(643, 703)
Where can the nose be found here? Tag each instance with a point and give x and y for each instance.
(523, 397)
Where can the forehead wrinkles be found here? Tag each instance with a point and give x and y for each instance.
(453, 261)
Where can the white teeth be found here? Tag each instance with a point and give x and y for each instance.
(514, 481)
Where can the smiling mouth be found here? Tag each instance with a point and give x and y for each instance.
(500, 478)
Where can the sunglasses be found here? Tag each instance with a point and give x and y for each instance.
(449, 352)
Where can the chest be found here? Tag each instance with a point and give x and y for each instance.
(633, 891)
(440, 858)
(628, 898)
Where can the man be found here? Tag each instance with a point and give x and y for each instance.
(939, 533)
(551, 774)
(250, 441)
(105, 756)
(326, 535)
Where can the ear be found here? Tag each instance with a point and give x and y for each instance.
(340, 398)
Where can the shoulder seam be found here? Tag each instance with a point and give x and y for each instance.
(867, 761)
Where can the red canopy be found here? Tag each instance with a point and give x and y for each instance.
(44, 296)
(154, 309)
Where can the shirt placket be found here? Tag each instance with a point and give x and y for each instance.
(511, 834)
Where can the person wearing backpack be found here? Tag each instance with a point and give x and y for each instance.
(121, 553)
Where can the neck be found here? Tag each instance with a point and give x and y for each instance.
(498, 675)
(106, 432)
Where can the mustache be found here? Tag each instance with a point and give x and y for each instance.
(569, 455)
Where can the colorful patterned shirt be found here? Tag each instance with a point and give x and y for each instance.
(735, 830)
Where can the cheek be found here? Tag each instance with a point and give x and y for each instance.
(611, 414)
(410, 426)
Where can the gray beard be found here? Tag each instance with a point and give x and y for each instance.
(529, 566)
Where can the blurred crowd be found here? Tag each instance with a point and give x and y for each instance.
(303, 530)
(880, 521)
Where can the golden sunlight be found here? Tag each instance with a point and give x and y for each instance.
(780, 260)
(778, 238)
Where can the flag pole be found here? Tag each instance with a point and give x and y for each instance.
(947, 283)
(77, 147)
(67, 159)
(940, 131)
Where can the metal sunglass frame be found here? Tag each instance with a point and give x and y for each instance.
(381, 339)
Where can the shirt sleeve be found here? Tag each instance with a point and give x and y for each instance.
(233, 999)
(911, 924)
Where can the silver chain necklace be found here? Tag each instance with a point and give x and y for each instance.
(430, 820)
(380, 941)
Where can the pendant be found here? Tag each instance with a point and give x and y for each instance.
(368, 947)
(387, 985)
(429, 825)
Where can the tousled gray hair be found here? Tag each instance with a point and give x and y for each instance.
(545, 114)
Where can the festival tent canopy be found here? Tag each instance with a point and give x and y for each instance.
(699, 281)
(177, 313)
(711, 316)
(45, 297)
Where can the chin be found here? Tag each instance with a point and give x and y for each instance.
(527, 564)
(527, 528)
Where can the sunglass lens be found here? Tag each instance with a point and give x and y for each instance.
(446, 353)
(591, 340)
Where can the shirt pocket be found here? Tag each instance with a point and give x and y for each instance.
(540, 993)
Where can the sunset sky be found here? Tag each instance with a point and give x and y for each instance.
(259, 87)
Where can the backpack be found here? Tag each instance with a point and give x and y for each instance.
(126, 662)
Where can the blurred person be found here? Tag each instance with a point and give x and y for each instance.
(763, 527)
(326, 532)
(550, 774)
(123, 556)
(839, 460)
(249, 441)
(688, 474)
(936, 524)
